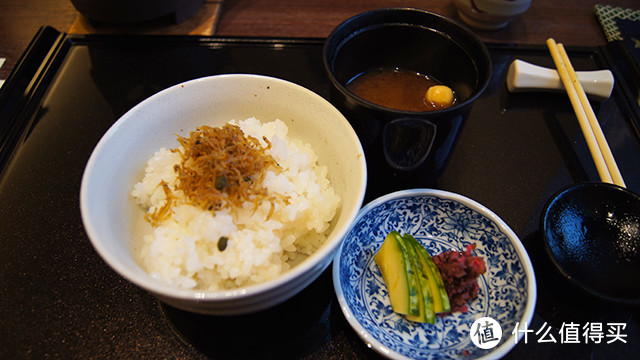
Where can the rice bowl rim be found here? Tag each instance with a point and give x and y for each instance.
(156, 286)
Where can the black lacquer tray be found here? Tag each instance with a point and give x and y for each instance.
(60, 300)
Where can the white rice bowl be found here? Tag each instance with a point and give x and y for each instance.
(262, 244)
(114, 221)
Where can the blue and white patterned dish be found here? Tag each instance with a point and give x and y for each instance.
(441, 221)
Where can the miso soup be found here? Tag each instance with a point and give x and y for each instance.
(397, 89)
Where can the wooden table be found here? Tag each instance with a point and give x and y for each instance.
(569, 21)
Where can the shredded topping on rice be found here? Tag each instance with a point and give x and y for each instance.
(219, 167)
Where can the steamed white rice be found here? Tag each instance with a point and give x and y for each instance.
(183, 250)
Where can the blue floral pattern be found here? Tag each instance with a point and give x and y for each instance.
(440, 224)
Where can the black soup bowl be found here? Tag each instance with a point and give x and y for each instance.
(410, 144)
(592, 234)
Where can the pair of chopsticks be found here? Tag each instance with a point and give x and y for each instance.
(597, 143)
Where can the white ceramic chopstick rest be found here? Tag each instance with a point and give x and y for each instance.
(523, 76)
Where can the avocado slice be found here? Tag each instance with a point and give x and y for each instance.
(436, 285)
(399, 275)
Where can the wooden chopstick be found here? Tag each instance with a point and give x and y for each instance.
(598, 146)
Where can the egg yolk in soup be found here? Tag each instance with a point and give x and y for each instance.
(401, 89)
